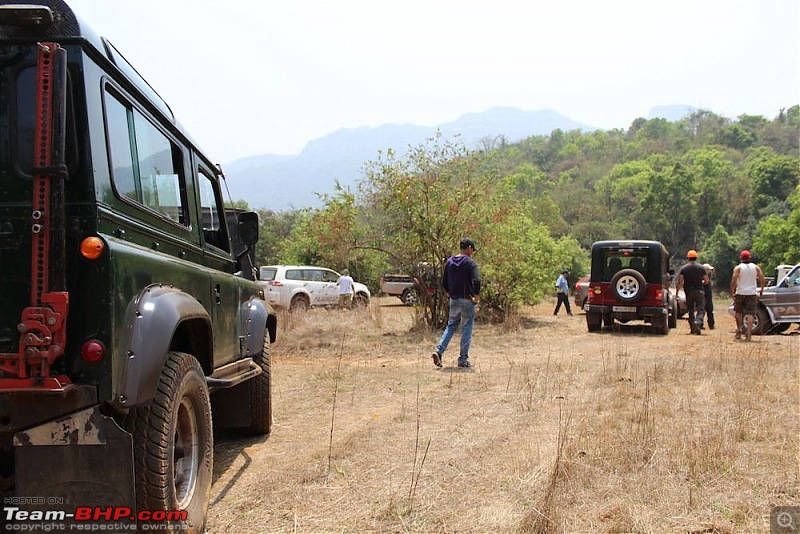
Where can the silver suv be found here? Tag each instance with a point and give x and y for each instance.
(299, 287)
(779, 306)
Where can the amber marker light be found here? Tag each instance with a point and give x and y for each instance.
(92, 248)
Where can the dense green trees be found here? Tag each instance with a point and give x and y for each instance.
(534, 207)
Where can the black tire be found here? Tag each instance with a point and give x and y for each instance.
(360, 300)
(761, 322)
(261, 394)
(673, 315)
(628, 286)
(780, 327)
(409, 297)
(173, 444)
(593, 321)
(300, 303)
(661, 325)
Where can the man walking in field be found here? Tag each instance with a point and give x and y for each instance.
(747, 285)
(562, 292)
(692, 278)
(462, 281)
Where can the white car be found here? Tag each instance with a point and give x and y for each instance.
(299, 287)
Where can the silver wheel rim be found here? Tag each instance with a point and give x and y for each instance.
(186, 453)
(628, 287)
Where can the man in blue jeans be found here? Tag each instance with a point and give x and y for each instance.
(462, 281)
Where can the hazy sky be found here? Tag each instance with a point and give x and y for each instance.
(250, 77)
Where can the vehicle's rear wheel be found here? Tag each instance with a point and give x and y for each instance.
(628, 285)
(593, 321)
(673, 315)
(661, 325)
(409, 297)
(299, 303)
(261, 394)
(173, 444)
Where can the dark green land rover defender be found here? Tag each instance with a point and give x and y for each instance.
(126, 318)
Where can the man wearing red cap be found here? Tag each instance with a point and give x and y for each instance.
(692, 277)
(747, 285)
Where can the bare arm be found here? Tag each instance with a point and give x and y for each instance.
(761, 280)
(734, 280)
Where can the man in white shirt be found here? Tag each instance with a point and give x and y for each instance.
(747, 285)
(346, 289)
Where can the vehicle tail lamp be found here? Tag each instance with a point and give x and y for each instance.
(93, 351)
(659, 294)
(92, 247)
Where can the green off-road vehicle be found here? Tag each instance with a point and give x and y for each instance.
(126, 317)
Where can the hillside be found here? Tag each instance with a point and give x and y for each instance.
(284, 182)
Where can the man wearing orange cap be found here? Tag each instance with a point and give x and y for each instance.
(747, 277)
(692, 278)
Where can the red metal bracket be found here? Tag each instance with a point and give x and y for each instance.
(43, 325)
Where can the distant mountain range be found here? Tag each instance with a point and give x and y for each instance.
(284, 182)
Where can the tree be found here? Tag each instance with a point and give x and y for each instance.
(274, 230)
(777, 239)
(772, 176)
(720, 251)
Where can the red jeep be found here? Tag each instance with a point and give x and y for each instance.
(629, 281)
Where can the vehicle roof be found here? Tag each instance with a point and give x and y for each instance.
(295, 267)
(626, 242)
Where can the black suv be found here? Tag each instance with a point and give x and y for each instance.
(630, 281)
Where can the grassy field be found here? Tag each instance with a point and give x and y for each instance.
(555, 430)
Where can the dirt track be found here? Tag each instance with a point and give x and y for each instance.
(556, 430)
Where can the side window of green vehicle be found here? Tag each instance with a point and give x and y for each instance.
(214, 227)
(146, 166)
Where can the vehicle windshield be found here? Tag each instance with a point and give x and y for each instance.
(792, 279)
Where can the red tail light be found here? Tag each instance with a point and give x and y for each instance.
(659, 294)
(93, 351)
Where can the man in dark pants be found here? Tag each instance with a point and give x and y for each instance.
(562, 292)
(692, 278)
(709, 296)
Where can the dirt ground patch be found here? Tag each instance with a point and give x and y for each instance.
(555, 430)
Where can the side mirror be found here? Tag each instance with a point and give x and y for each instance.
(248, 228)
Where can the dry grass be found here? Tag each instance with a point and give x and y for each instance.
(556, 430)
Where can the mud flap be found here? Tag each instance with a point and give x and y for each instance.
(80, 460)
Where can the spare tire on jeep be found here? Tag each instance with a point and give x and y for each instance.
(629, 285)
